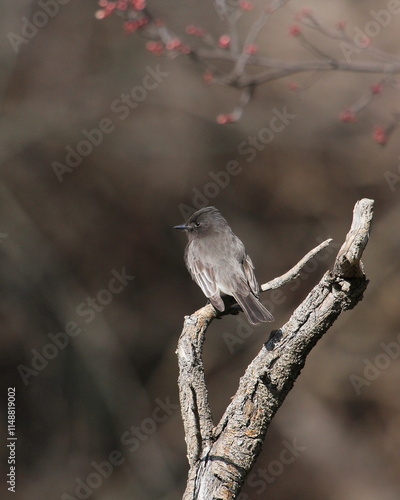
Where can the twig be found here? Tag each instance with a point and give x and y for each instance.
(221, 458)
(244, 99)
(295, 271)
(247, 69)
(252, 36)
(315, 65)
(315, 50)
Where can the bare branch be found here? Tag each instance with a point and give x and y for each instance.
(347, 263)
(295, 271)
(193, 393)
(253, 34)
(315, 65)
(235, 115)
(220, 459)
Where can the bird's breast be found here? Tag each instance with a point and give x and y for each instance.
(211, 251)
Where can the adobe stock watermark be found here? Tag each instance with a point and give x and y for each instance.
(121, 108)
(263, 476)
(373, 369)
(277, 297)
(48, 9)
(131, 439)
(248, 148)
(87, 310)
(362, 37)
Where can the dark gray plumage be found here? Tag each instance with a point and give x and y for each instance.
(219, 264)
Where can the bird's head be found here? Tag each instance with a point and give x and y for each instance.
(204, 221)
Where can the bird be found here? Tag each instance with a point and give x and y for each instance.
(218, 262)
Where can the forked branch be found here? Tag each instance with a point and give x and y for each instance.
(220, 457)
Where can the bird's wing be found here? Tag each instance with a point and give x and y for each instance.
(204, 275)
(248, 269)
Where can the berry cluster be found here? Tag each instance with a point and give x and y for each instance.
(162, 41)
(107, 7)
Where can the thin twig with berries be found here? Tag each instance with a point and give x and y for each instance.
(247, 68)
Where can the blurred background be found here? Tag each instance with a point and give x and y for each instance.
(89, 250)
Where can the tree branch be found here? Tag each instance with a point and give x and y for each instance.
(220, 458)
(193, 391)
(295, 271)
(246, 68)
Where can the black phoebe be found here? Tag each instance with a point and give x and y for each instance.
(219, 264)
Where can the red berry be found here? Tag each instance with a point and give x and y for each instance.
(138, 4)
(121, 4)
(154, 47)
(172, 44)
(379, 135)
(106, 11)
(347, 116)
(224, 41)
(294, 30)
(222, 119)
(100, 14)
(129, 26)
(194, 30)
(251, 48)
(376, 88)
(244, 5)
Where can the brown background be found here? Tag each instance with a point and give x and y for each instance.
(116, 210)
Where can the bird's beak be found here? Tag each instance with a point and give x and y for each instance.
(181, 226)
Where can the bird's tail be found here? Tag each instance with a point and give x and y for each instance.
(256, 313)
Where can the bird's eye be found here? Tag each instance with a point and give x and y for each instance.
(197, 224)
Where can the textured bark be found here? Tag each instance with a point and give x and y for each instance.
(221, 457)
